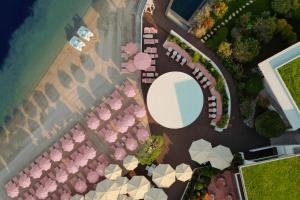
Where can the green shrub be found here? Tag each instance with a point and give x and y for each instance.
(245, 108)
(286, 31)
(245, 50)
(223, 121)
(253, 86)
(264, 27)
(270, 124)
(282, 6)
(216, 39)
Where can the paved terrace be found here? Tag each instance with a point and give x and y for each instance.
(238, 137)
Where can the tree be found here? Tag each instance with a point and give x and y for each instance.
(225, 49)
(253, 86)
(270, 124)
(245, 50)
(286, 31)
(282, 6)
(264, 27)
(220, 9)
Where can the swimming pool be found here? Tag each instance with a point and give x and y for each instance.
(186, 8)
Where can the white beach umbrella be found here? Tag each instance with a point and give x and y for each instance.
(130, 162)
(183, 172)
(122, 184)
(163, 175)
(155, 194)
(199, 151)
(90, 195)
(107, 190)
(137, 187)
(77, 197)
(220, 157)
(112, 171)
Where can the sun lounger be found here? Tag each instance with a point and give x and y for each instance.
(212, 116)
(212, 110)
(196, 70)
(183, 61)
(199, 75)
(151, 69)
(149, 36)
(212, 98)
(174, 54)
(213, 104)
(178, 58)
(168, 53)
(148, 80)
(204, 79)
(153, 62)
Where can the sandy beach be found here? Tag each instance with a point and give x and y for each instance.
(75, 82)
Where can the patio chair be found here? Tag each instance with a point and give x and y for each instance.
(196, 70)
(168, 53)
(174, 54)
(204, 79)
(178, 58)
(212, 116)
(212, 110)
(199, 75)
(213, 104)
(183, 61)
(212, 98)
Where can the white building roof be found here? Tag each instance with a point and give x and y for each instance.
(269, 69)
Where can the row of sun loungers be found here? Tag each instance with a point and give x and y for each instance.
(149, 41)
(84, 33)
(176, 56)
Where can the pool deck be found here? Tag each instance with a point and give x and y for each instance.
(238, 137)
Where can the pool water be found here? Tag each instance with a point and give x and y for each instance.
(186, 8)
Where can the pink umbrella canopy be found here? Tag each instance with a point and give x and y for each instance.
(12, 190)
(128, 120)
(104, 113)
(61, 176)
(65, 196)
(120, 153)
(55, 155)
(92, 121)
(81, 160)
(129, 90)
(115, 103)
(41, 192)
(24, 181)
(121, 126)
(142, 135)
(131, 48)
(72, 167)
(129, 65)
(78, 135)
(89, 152)
(44, 163)
(67, 145)
(100, 169)
(35, 172)
(131, 144)
(139, 111)
(110, 136)
(50, 185)
(80, 186)
(93, 177)
(142, 61)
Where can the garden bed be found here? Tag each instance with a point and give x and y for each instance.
(221, 85)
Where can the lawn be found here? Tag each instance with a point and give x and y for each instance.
(279, 179)
(290, 73)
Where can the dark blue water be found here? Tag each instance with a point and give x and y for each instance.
(12, 15)
(186, 8)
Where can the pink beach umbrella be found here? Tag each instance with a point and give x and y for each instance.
(115, 103)
(24, 181)
(93, 177)
(92, 121)
(65, 196)
(104, 113)
(81, 160)
(131, 48)
(61, 176)
(129, 65)
(142, 135)
(71, 167)
(80, 186)
(78, 135)
(89, 152)
(44, 163)
(12, 190)
(128, 120)
(67, 145)
(50, 185)
(120, 153)
(41, 192)
(129, 90)
(110, 136)
(121, 126)
(55, 155)
(100, 169)
(131, 144)
(139, 111)
(142, 61)
(35, 172)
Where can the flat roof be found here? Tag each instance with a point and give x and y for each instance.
(186, 8)
(277, 86)
(273, 179)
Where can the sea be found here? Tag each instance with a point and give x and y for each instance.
(32, 34)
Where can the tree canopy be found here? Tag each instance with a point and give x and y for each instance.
(245, 50)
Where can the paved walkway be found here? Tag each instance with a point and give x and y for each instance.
(238, 136)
